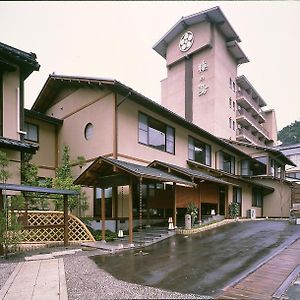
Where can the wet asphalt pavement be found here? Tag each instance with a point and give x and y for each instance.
(202, 263)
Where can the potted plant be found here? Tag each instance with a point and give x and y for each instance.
(234, 210)
(192, 210)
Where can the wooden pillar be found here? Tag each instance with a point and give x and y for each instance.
(199, 190)
(130, 220)
(174, 205)
(66, 221)
(116, 204)
(103, 214)
(140, 204)
(1, 229)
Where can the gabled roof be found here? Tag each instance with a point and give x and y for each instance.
(272, 150)
(18, 145)
(26, 61)
(55, 82)
(213, 15)
(101, 173)
(193, 174)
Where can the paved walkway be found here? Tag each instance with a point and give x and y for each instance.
(271, 279)
(36, 280)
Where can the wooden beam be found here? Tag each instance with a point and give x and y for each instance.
(1, 229)
(130, 221)
(174, 206)
(141, 203)
(112, 181)
(66, 221)
(115, 205)
(103, 214)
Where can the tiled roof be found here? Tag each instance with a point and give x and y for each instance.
(28, 58)
(146, 171)
(18, 145)
(35, 189)
(54, 84)
(190, 172)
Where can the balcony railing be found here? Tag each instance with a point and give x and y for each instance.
(244, 133)
(243, 112)
(251, 102)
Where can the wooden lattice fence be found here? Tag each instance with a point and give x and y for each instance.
(47, 226)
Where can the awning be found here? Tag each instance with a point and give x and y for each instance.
(108, 172)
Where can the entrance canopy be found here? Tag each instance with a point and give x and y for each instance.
(108, 172)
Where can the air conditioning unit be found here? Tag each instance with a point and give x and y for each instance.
(251, 214)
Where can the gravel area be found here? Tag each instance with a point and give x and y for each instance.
(85, 280)
(6, 268)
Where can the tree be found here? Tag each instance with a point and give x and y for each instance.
(64, 180)
(29, 176)
(290, 134)
(9, 226)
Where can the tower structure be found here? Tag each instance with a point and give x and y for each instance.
(202, 55)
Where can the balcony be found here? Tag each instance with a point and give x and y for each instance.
(244, 135)
(245, 118)
(245, 100)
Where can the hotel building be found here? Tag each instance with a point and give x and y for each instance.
(209, 142)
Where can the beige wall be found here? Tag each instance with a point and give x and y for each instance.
(77, 110)
(45, 157)
(173, 89)
(271, 126)
(225, 67)
(201, 33)
(278, 203)
(14, 166)
(128, 144)
(211, 111)
(11, 83)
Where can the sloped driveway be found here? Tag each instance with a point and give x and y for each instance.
(203, 263)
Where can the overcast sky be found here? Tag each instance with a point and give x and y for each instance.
(115, 39)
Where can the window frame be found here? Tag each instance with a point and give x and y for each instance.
(169, 133)
(37, 131)
(256, 202)
(221, 162)
(207, 149)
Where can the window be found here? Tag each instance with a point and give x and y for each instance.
(237, 195)
(88, 131)
(233, 106)
(233, 125)
(245, 167)
(230, 122)
(276, 169)
(156, 134)
(108, 202)
(230, 102)
(257, 197)
(227, 162)
(199, 152)
(32, 132)
(230, 82)
(233, 86)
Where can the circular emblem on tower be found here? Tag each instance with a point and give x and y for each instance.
(186, 41)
